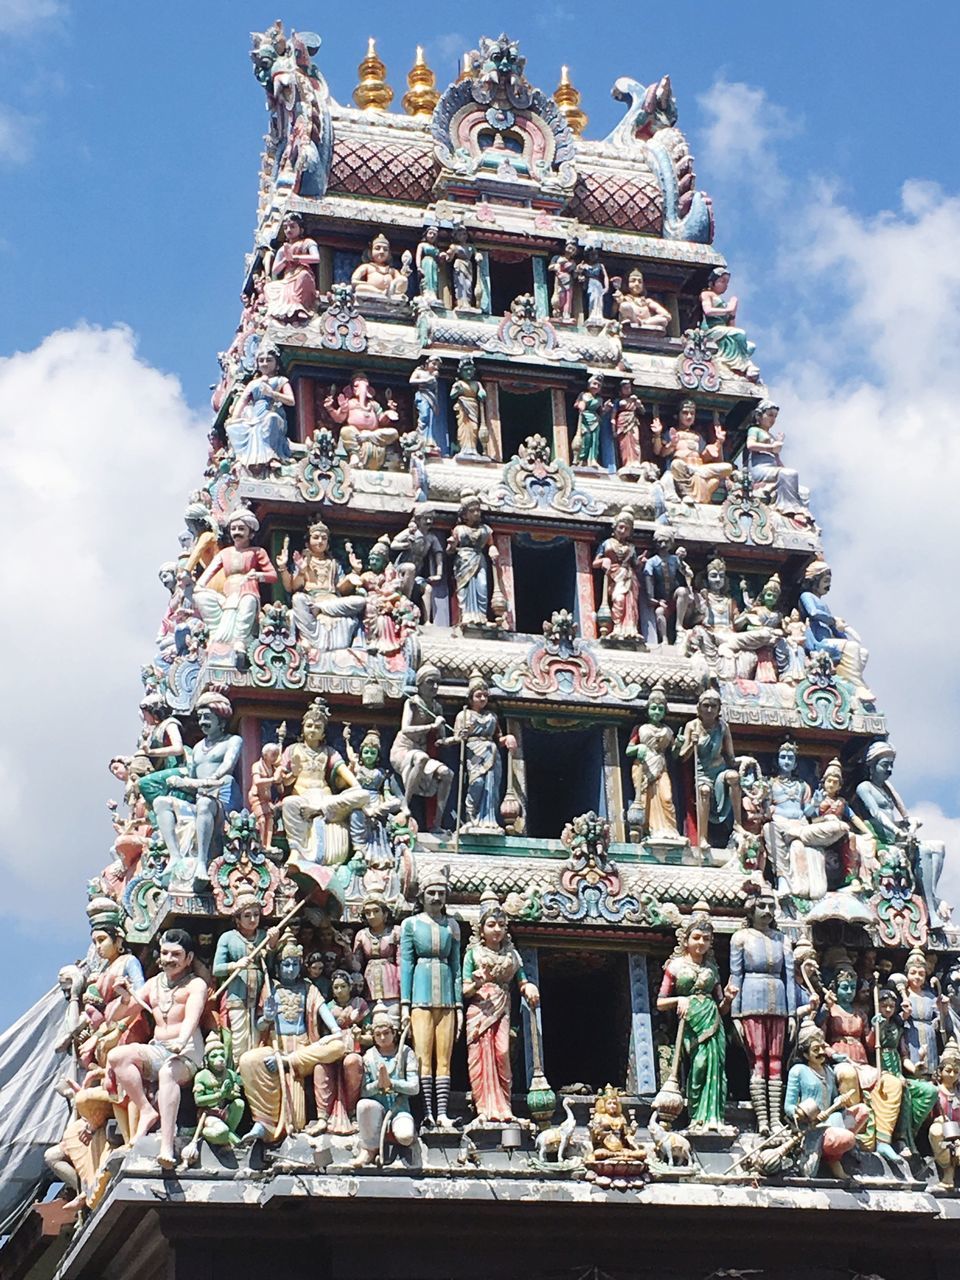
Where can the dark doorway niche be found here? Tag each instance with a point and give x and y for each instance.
(564, 777)
(522, 416)
(510, 276)
(580, 990)
(544, 580)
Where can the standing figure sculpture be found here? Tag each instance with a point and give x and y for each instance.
(431, 994)
(761, 969)
(590, 406)
(241, 999)
(292, 291)
(422, 730)
(418, 559)
(635, 308)
(378, 277)
(477, 729)
(691, 988)
(472, 547)
(829, 634)
(490, 966)
(230, 610)
(461, 258)
(652, 812)
(427, 262)
(593, 274)
(257, 426)
(921, 1014)
(368, 430)
(377, 946)
(626, 427)
(719, 321)
(716, 778)
(667, 582)
(621, 564)
(338, 1084)
(695, 466)
(893, 827)
(563, 267)
(327, 604)
(468, 397)
(944, 1132)
(764, 465)
(425, 381)
(390, 1080)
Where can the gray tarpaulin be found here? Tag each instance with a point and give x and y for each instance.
(32, 1115)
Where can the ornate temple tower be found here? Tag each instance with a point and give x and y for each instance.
(499, 677)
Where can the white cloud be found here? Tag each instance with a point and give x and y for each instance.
(99, 452)
(20, 16)
(742, 127)
(16, 136)
(445, 49)
(936, 825)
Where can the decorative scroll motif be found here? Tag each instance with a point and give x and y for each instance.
(224, 492)
(822, 700)
(521, 328)
(519, 335)
(531, 482)
(321, 476)
(243, 867)
(297, 155)
(342, 327)
(745, 517)
(276, 659)
(561, 666)
(144, 896)
(902, 913)
(695, 364)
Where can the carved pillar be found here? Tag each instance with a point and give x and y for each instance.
(613, 782)
(674, 308)
(586, 613)
(541, 290)
(482, 294)
(531, 966)
(495, 443)
(325, 269)
(250, 752)
(561, 433)
(504, 571)
(641, 1068)
(305, 394)
(519, 766)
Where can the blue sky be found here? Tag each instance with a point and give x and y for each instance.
(129, 144)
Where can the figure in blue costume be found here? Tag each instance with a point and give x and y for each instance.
(830, 634)
(257, 429)
(811, 1091)
(426, 401)
(477, 728)
(472, 547)
(390, 1080)
(716, 779)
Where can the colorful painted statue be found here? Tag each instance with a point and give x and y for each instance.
(490, 965)
(376, 946)
(829, 634)
(612, 1135)
(230, 610)
(263, 797)
(422, 730)
(621, 564)
(627, 411)
(368, 826)
(764, 466)
(691, 988)
(798, 834)
(653, 811)
(321, 794)
(160, 753)
(716, 778)
(590, 406)
(339, 1083)
(887, 816)
(944, 1131)
(472, 547)
(919, 1095)
(593, 275)
(719, 321)
(418, 558)
(431, 994)
(378, 278)
(696, 467)
(635, 309)
(257, 427)
(563, 268)
(241, 1000)
(291, 1049)
(461, 258)
(425, 381)
(175, 1000)
(390, 1080)
(667, 581)
(828, 802)
(812, 1091)
(207, 793)
(761, 970)
(218, 1097)
(327, 604)
(477, 729)
(468, 397)
(921, 1014)
(292, 292)
(368, 430)
(427, 262)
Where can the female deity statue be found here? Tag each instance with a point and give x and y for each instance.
(696, 467)
(472, 547)
(468, 397)
(257, 427)
(339, 1083)
(427, 262)
(626, 426)
(376, 948)
(115, 974)
(921, 1013)
(612, 1135)
(327, 604)
(292, 292)
(691, 988)
(797, 834)
(564, 269)
(590, 406)
(716, 778)
(461, 259)
(829, 803)
(919, 1095)
(490, 966)
(368, 826)
(389, 616)
(635, 309)
(368, 431)
(230, 613)
(649, 747)
(830, 634)
(321, 793)
(763, 459)
(621, 565)
(759, 630)
(378, 278)
(946, 1150)
(425, 380)
(421, 731)
(593, 275)
(477, 728)
(719, 319)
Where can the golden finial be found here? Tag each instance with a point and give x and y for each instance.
(372, 93)
(567, 99)
(421, 96)
(466, 67)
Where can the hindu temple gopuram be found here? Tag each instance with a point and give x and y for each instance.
(509, 878)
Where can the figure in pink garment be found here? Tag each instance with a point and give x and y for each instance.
(338, 1084)
(368, 430)
(376, 948)
(231, 613)
(626, 425)
(292, 291)
(621, 564)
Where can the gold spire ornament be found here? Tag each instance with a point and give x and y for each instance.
(421, 96)
(372, 93)
(567, 99)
